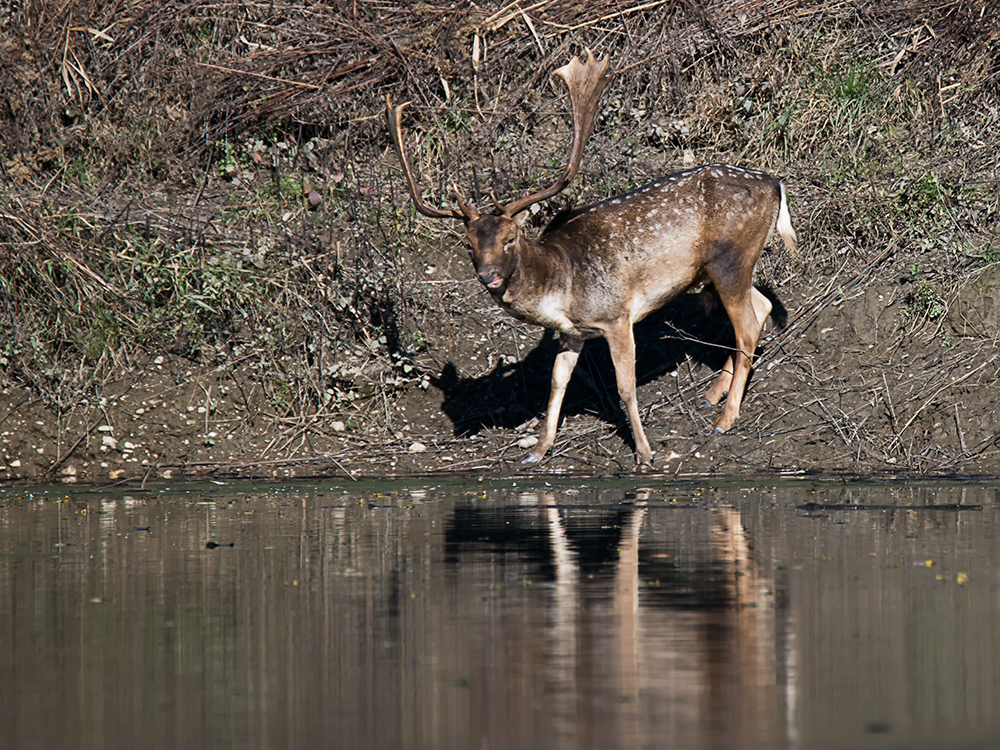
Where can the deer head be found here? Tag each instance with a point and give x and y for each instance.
(493, 238)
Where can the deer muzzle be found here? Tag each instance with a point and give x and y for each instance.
(490, 279)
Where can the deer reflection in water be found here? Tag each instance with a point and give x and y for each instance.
(650, 629)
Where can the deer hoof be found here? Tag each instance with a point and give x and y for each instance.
(711, 400)
(718, 431)
(531, 458)
(705, 403)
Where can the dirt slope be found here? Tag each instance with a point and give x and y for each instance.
(209, 264)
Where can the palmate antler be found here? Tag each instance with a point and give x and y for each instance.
(585, 82)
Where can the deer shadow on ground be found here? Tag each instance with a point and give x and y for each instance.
(513, 393)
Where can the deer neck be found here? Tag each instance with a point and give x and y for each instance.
(538, 287)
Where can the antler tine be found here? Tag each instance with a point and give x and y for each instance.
(398, 138)
(470, 213)
(585, 83)
(496, 201)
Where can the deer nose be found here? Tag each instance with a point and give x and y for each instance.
(490, 279)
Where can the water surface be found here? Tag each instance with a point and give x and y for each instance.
(512, 615)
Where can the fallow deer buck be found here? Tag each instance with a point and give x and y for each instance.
(597, 269)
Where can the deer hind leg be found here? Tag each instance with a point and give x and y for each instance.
(719, 389)
(569, 353)
(747, 313)
(723, 384)
(621, 342)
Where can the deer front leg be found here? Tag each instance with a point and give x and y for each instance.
(621, 342)
(569, 353)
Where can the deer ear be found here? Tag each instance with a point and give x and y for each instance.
(520, 218)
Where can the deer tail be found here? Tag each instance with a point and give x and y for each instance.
(784, 226)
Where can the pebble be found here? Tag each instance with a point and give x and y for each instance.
(417, 448)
